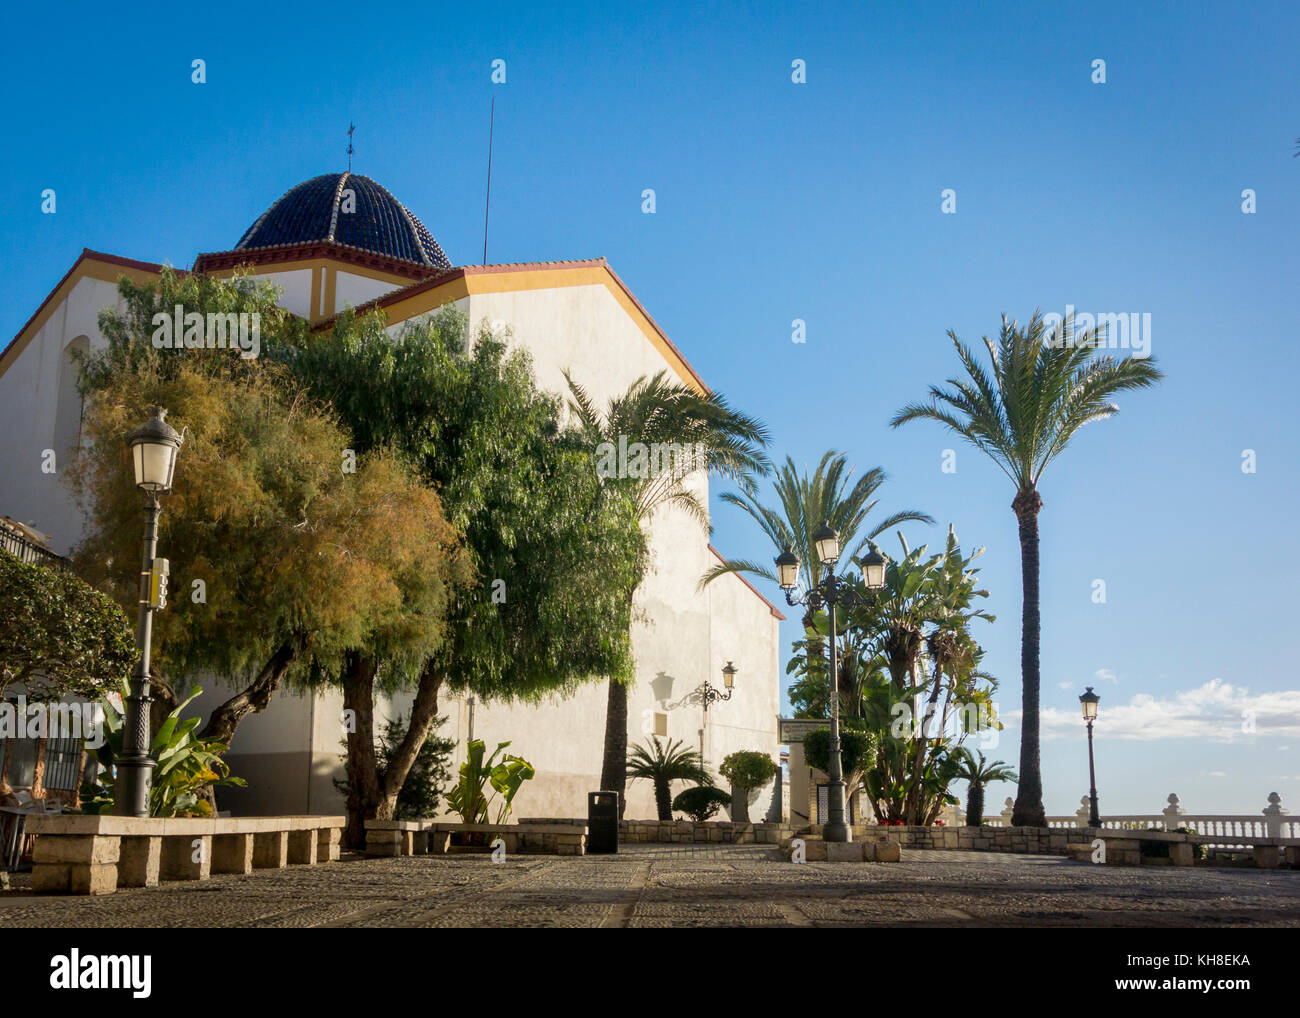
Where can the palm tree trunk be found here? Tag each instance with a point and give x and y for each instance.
(613, 767)
(613, 771)
(1028, 810)
(663, 799)
(975, 805)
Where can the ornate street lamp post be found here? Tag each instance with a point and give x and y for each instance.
(154, 446)
(1088, 701)
(831, 593)
(706, 693)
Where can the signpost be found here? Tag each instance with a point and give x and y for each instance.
(792, 730)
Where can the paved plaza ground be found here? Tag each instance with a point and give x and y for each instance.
(670, 885)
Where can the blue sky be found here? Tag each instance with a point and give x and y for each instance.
(818, 201)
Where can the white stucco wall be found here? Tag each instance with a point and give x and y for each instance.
(687, 635)
(295, 289)
(351, 290)
(29, 415)
(291, 753)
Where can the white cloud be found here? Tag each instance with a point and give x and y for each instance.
(1065, 685)
(1213, 711)
(1216, 774)
(1105, 675)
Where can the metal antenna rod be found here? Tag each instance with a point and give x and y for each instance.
(351, 127)
(487, 204)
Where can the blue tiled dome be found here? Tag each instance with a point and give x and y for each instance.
(315, 211)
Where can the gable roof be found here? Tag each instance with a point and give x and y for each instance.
(89, 264)
(452, 284)
(776, 612)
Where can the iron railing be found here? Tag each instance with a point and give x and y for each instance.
(18, 544)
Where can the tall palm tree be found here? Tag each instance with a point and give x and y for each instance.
(978, 774)
(662, 765)
(1043, 387)
(805, 502)
(709, 436)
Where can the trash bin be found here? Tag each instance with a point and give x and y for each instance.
(602, 823)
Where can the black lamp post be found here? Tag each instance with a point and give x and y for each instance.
(1088, 701)
(706, 693)
(831, 593)
(154, 446)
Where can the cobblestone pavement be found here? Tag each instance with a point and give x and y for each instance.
(669, 885)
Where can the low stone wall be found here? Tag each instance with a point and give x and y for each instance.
(677, 831)
(1125, 848)
(712, 831)
(418, 837)
(93, 854)
(1017, 840)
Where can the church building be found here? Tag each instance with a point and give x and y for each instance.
(342, 240)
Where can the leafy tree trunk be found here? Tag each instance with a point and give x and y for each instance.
(364, 792)
(975, 805)
(739, 805)
(257, 697)
(162, 700)
(423, 712)
(1028, 810)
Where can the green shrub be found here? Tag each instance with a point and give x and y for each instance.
(856, 748)
(748, 769)
(701, 803)
(427, 779)
(468, 797)
(1160, 849)
(185, 765)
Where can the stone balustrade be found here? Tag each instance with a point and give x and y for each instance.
(1123, 847)
(94, 854)
(1271, 822)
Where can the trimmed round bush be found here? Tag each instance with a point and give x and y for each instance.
(701, 803)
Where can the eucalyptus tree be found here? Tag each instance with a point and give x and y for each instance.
(700, 433)
(553, 551)
(1045, 382)
(276, 553)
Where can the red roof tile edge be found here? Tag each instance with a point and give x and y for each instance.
(776, 612)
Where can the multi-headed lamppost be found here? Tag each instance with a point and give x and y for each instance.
(1088, 701)
(153, 454)
(831, 593)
